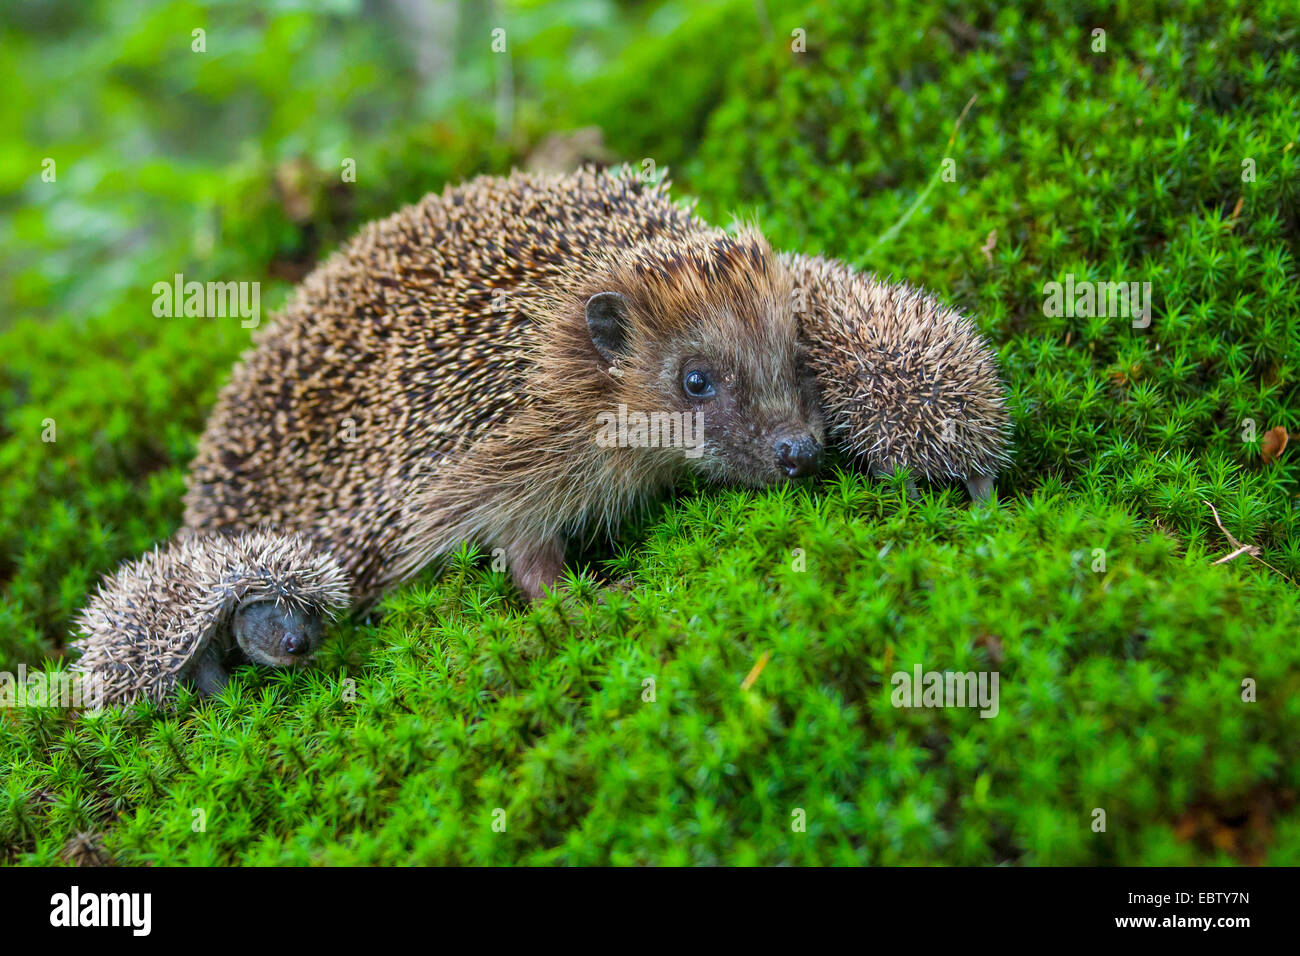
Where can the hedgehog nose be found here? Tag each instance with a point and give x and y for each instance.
(798, 455)
(295, 644)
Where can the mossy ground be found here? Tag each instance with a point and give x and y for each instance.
(1121, 689)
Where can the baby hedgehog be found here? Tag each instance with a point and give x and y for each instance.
(904, 380)
(520, 361)
(179, 612)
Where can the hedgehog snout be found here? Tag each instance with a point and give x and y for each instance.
(295, 644)
(798, 455)
(276, 635)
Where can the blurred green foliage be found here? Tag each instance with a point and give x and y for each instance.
(1120, 690)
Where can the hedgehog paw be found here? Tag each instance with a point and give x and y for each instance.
(536, 565)
(209, 676)
(980, 488)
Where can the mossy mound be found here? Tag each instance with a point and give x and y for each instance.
(731, 701)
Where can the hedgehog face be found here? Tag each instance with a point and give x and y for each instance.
(758, 418)
(707, 342)
(276, 634)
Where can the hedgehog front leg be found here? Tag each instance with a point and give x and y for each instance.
(904, 380)
(535, 564)
(209, 674)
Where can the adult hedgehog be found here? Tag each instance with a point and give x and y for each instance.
(453, 374)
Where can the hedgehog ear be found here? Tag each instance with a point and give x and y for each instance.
(607, 321)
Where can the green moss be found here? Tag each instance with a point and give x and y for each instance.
(1121, 648)
(618, 730)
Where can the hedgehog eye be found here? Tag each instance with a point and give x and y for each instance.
(698, 384)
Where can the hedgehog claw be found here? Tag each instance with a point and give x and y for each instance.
(980, 488)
